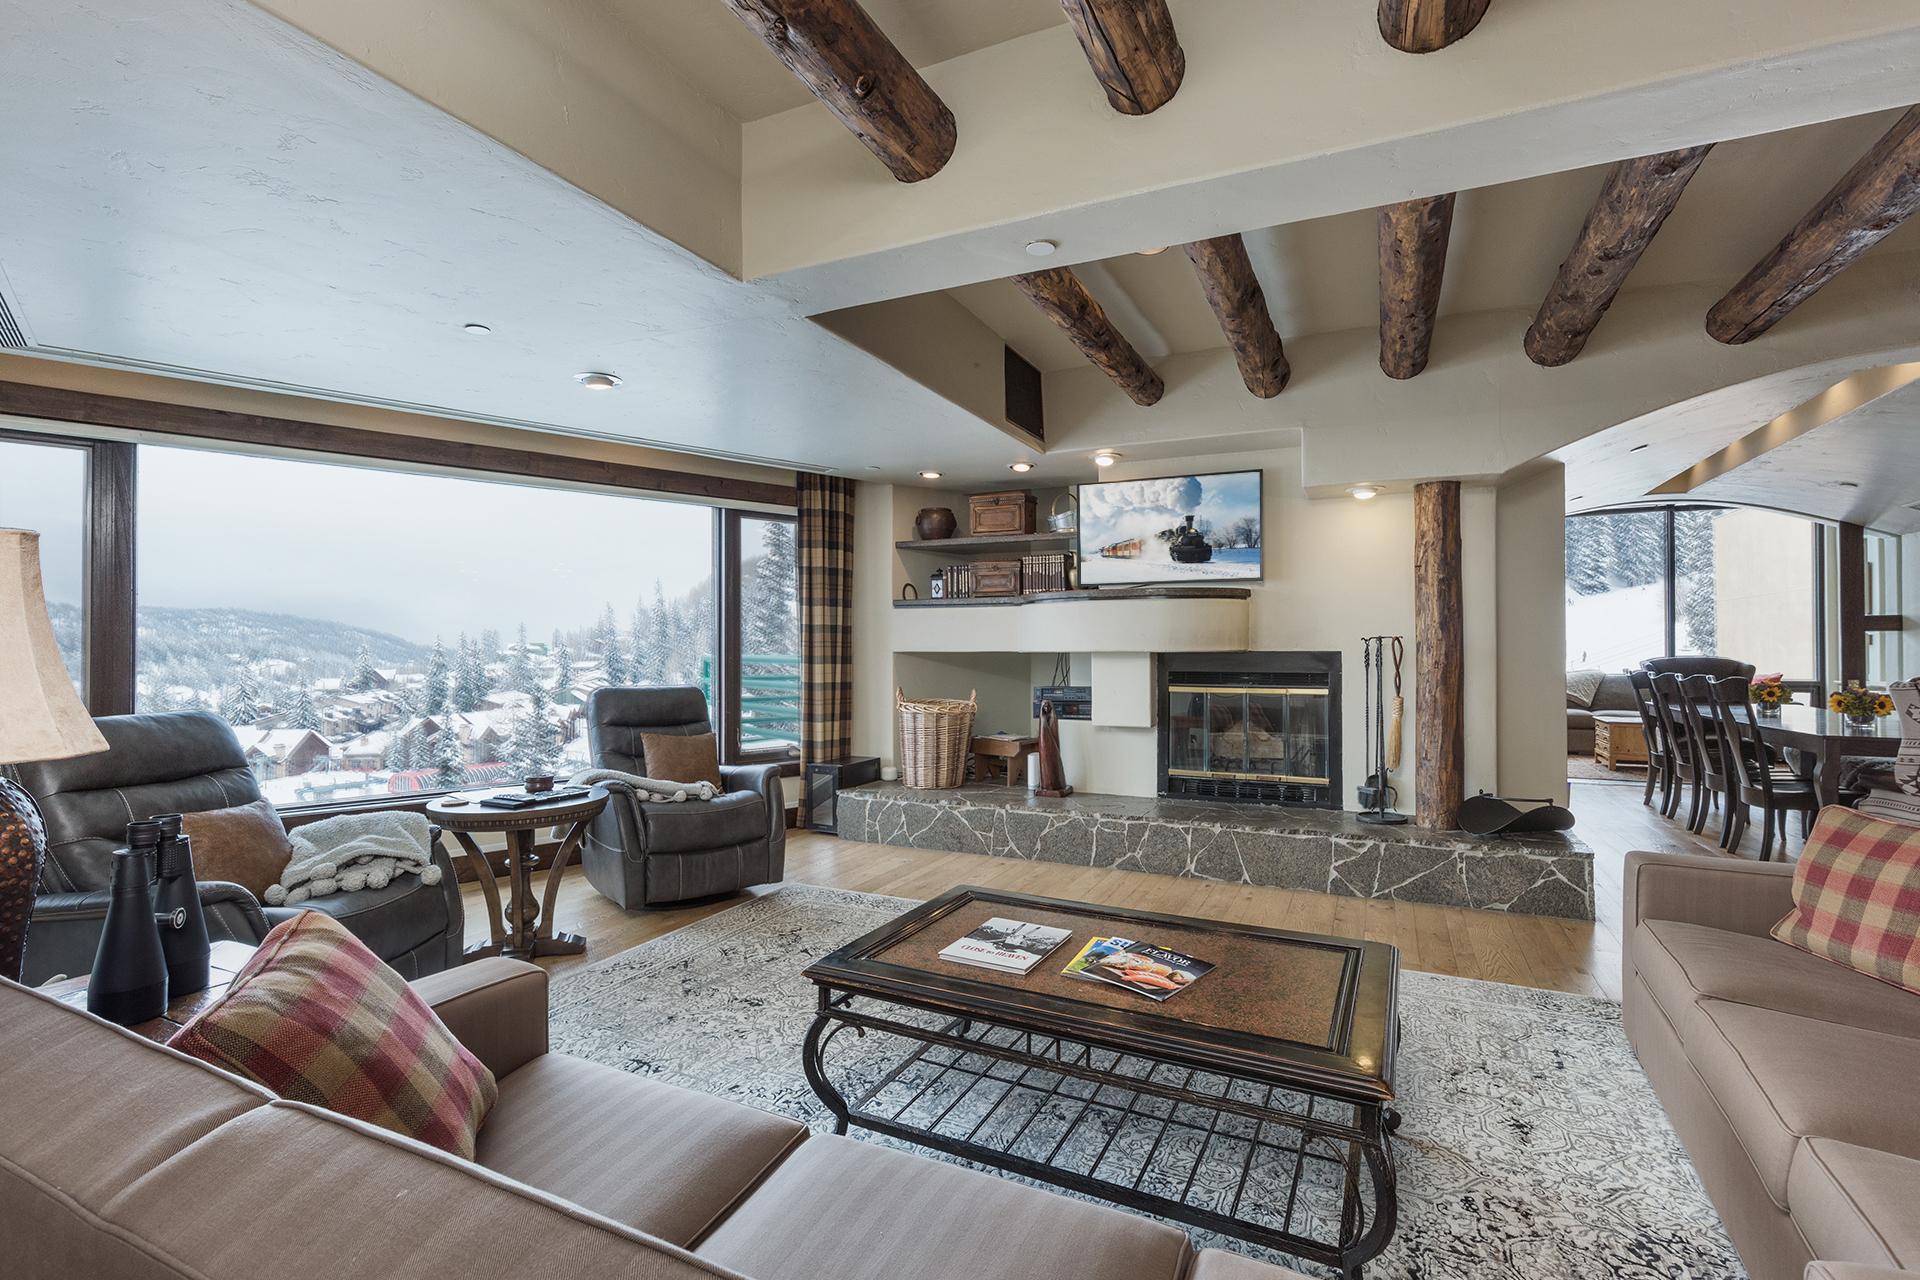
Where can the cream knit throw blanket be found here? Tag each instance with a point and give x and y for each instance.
(654, 790)
(352, 852)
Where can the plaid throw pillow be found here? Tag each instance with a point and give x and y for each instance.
(318, 1018)
(1856, 894)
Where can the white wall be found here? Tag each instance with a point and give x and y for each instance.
(1337, 569)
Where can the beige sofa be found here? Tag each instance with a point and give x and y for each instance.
(1794, 1083)
(120, 1158)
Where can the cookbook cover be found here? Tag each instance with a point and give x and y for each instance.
(1154, 972)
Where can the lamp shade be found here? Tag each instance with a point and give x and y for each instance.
(41, 717)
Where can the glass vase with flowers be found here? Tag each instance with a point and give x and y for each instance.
(1859, 704)
(1770, 693)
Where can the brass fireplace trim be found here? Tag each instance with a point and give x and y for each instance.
(1241, 688)
(1248, 777)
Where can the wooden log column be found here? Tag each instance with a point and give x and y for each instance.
(1413, 257)
(1239, 304)
(846, 60)
(1633, 203)
(1065, 301)
(1879, 193)
(1439, 656)
(1422, 26)
(1133, 50)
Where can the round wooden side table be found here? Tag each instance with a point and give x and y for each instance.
(525, 927)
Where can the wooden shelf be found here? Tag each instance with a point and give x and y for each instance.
(988, 542)
(1061, 597)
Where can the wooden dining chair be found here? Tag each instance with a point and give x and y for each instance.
(1758, 780)
(1712, 751)
(1684, 749)
(1654, 730)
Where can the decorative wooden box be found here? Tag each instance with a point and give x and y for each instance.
(996, 578)
(1008, 512)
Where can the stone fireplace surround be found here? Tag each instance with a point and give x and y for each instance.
(1318, 850)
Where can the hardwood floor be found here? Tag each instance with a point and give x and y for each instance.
(1561, 955)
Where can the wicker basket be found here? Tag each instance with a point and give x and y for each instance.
(935, 737)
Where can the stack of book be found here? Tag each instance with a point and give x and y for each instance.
(1045, 572)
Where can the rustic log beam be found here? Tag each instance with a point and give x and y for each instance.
(1635, 199)
(1133, 49)
(1233, 291)
(841, 54)
(1439, 656)
(1065, 301)
(1876, 195)
(1421, 26)
(1413, 256)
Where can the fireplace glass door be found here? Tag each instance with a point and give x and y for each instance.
(1257, 742)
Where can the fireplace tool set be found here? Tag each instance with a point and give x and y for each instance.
(1382, 743)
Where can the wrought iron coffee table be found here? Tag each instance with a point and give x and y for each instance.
(1255, 1103)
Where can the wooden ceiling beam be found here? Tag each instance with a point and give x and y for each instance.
(1413, 257)
(1065, 301)
(1635, 199)
(843, 57)
(1879, 193)
(1422, 26)
(1133, 49)
(1233, 291)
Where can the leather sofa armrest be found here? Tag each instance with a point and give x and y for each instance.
(50, 907)
(1721, 893)
(763, 779)
(64, 932)
(496, 1007)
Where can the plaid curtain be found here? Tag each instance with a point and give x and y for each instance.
(826, 620)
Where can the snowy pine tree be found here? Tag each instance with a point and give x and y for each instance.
(364, 676)
(449, 764)
(613, 655)
(401, 755)
(520, 665)
(770, 616)
(562, 665)
(659, 650)
(240, 701)
(470, 685)
(533, 747)
(301, 713)
(437, 687)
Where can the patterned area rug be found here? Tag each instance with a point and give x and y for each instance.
(1587, 769)
(1532, 1145)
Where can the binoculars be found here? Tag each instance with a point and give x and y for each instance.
(154, 944)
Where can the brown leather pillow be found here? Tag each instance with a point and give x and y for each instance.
(681, 757)
(245, 845)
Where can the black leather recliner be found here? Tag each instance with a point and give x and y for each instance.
(186, 762)
(643, 854)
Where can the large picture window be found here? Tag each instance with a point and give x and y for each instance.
(1663, 581)
(43, 487)
(377, 633)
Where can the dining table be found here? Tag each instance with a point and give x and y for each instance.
(1824, 739)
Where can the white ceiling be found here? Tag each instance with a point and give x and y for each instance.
(715, 50)
(215, 196)
(1320, 276)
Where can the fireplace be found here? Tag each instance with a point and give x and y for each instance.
(1251, 728)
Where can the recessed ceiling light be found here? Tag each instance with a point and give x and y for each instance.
(477, 330)
(1364, 492)
(1042, 248)
(929, 475)
(1150, 253)
(597, 381)
(1022, 467)
(1637, 448)
(1105, 458)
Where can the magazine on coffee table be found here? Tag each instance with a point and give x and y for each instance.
(1097, 948)
(1009, 946)
(1154, 972)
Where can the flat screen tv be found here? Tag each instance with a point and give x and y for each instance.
(1191, 529)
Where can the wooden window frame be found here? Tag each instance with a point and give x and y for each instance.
(110, 635)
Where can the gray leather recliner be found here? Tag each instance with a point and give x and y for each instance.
(642, 854)
(187, 762)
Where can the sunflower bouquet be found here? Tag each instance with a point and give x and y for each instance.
(1770, 692)
(1857, 702)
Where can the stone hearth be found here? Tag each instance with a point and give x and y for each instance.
(1289, 848)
